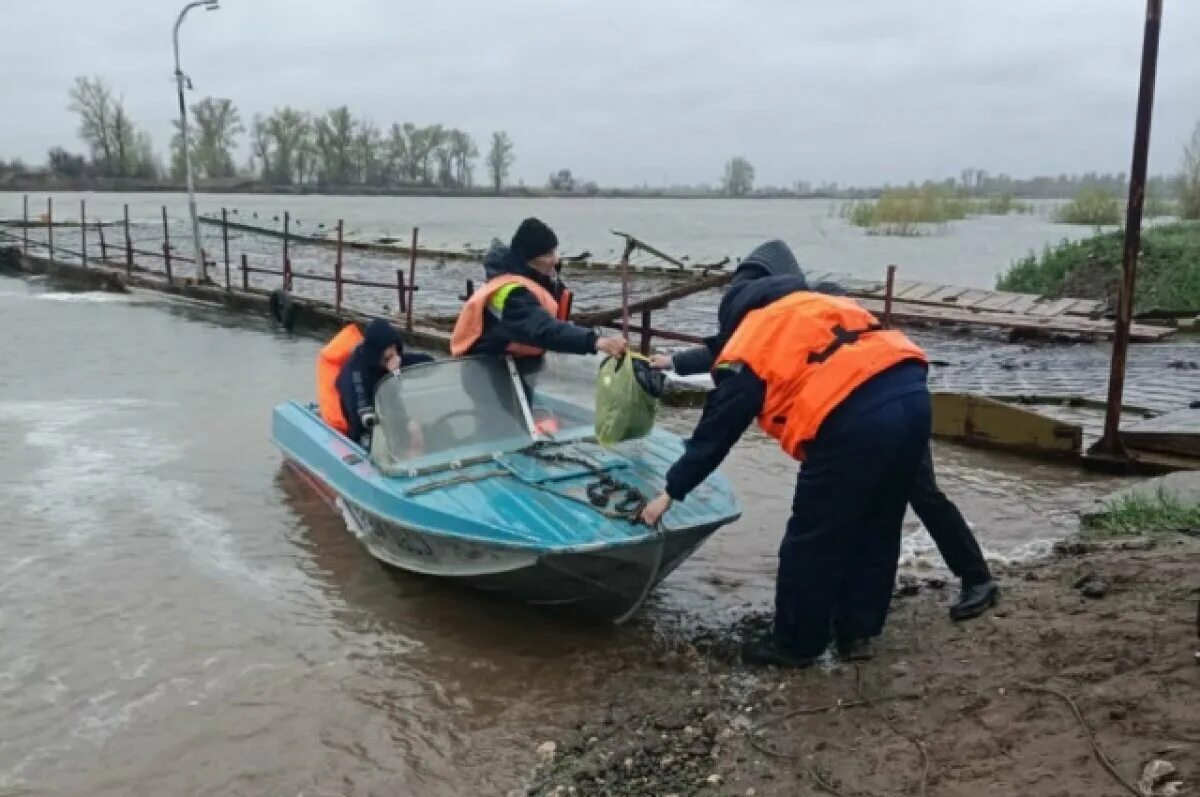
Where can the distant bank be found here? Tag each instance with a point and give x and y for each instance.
(41, 183)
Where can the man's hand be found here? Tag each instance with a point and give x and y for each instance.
(662, 362)
(656, 509)
(613, 347)
(392, 363)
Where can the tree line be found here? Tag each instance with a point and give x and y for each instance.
(290, 146)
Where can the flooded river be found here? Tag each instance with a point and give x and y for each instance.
(179, 615)
(971, 252)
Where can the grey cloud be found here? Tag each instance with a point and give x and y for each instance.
(625, 91)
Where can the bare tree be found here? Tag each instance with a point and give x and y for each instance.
(500, 159)
(260, 146)
(368, 152)
(738, 179)
(288, 130)
(335, 133)
(465, 153)
(218, 125)
(395, 155)
(92, 99)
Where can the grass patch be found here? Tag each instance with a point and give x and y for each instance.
(1135, 515)
(909, 211)
(1092, 206)
(1168, 269)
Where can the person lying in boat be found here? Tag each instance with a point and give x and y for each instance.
(849, 400)
(523, 308)
(349, 368)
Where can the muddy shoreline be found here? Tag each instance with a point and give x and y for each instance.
(980, 708)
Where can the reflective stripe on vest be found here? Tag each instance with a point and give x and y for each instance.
(468, 329)
(811, 351)
(330, 361)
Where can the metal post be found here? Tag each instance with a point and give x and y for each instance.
(245, 273)
(167, 247)
(103, 245)
(50, 227)
(645, 347)
(887, 296)
(128, 246)
(83, 232)
(225, 245)
(400, 289)
(625, 287)
(337, 271)
(286, 217)
(180, 82)
(287, 274)
(412, 280)
(25, 226)
(1110, 444)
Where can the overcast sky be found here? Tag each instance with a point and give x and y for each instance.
(632, 91)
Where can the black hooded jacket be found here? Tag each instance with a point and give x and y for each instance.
(768, 274)
(523, 319)
(361, 374)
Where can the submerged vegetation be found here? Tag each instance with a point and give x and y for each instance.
(1136, 514)
(907, 211)
(1093, 206)
(1168, 269)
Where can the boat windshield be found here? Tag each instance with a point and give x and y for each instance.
(439, 412)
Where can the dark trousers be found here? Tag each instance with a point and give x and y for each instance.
(946, 526)
(837, 563)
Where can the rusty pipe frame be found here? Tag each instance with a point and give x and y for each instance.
(1110, 446)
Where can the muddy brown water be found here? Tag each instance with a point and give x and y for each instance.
(180, 615)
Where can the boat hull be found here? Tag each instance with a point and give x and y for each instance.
(608, 583)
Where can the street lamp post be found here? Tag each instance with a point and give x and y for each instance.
(182, 82)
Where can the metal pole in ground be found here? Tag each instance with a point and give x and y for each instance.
(83, 232)
(181, 81)
(25, 225)
(337, 271)
(412, 279)
(128, 246)
(225, 244)
(286, 224)
(245, 273)
(167, 247)
(1110, 445)
(103, 245)
(887, 296)
(50, 227)
(625, 287)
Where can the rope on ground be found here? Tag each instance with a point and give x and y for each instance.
(1087, 729)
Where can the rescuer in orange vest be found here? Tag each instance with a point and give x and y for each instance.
(847, 399)
(523, 308)
(348, 369)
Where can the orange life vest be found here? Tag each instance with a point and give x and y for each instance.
(812, 351)
(469, 326)
(329, 364)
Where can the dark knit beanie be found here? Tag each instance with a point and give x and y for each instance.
(533, 239)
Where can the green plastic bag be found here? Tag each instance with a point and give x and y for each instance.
(627, 393)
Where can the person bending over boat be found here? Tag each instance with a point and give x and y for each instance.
(523, 308)
(849, 400)
(349, 368)
(941, 517)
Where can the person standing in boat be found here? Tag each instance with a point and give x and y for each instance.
(941, 517)
(523, 308)
(350, 367)
(849, 400)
